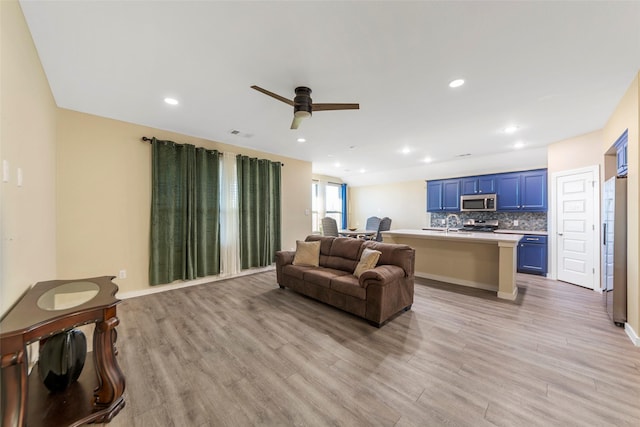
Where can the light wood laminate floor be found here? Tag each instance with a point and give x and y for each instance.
(243, 352)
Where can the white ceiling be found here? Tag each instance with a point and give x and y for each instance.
(555, 69)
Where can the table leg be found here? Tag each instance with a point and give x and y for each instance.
(14, 388)
(111, 381)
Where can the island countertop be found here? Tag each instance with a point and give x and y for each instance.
(477, 259)
(451, 235)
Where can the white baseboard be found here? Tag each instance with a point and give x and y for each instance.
(208, 279)
(633, 335)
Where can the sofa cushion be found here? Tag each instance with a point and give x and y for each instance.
(322, 276)
(348, 285)
(296, 271)
(368, 260)
(307, 253)
(345, 254)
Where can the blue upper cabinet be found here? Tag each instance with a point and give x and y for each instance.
(451, 195)
(443, 195)
(533, 185)
(508, 191)
(484, 184)
(522, 191)
(487, 184)
(621, 153)
(434, 196)
(469, 185)
(516, 191)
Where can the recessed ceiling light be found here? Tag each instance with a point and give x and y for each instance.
(456, 83)
(518, 145)
(427, 160)
(363, 170)
(406, 150)
(302, 140)
(337, 164)
(171, 101)
(510, 129)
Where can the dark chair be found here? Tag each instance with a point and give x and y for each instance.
(385, 225)
(329, 227)
(373, 222)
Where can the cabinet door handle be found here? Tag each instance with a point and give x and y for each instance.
(559, 234)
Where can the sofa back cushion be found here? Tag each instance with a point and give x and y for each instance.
(394, 254)
(345, 254)
(342, 253)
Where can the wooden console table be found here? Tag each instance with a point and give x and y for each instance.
(46, 309)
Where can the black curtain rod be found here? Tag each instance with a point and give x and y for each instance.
(146, 139)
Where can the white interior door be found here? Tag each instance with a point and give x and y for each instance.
(576, 229)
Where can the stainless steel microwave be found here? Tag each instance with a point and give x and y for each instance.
(478, 202)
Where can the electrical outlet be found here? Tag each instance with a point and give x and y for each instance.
(515, 222)
(122, 274)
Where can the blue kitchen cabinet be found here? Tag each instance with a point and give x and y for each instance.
(532, 255)
(434, 196)
(451, 195)
(522, 191)
(533, 194)
(443, 195)
(621, 153)
(508, 191)
(484, 184)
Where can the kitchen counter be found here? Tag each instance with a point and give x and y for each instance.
(475, 259)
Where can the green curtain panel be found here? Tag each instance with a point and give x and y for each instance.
(184, 237)
(259, 205)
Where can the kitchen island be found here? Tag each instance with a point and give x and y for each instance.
(480, 260)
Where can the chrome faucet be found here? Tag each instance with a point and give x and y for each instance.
(447, 221)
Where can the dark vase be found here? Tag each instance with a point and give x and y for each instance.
(62, 359)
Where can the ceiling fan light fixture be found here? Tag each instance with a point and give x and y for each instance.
(302, 114)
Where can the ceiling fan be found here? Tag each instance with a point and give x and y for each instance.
(303, 105)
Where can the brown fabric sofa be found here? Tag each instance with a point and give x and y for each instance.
(376, 295)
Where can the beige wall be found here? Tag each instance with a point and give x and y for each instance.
(579, 152)
(27, 141)
(104, 196)
(404, 202)
(627, 116)
(575, 153)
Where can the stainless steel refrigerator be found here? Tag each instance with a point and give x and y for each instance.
(614, 250)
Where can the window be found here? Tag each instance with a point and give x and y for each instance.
(327, 199)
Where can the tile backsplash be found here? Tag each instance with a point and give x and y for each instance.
(531, 221)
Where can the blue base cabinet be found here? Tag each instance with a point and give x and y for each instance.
(532, 255)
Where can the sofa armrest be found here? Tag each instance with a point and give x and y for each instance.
(285, 257)
(382, 275)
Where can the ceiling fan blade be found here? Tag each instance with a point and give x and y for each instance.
(296, 122)
(326, 107)
(273, 95)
